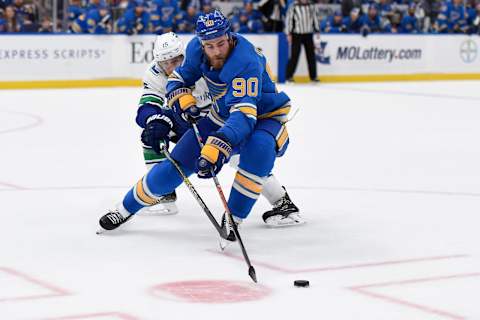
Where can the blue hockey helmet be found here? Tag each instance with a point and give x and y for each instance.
(212, 25)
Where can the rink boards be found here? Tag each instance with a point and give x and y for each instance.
(46, 61)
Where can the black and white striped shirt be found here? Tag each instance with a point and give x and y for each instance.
(302, 18)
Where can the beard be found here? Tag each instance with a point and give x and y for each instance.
(217, 62)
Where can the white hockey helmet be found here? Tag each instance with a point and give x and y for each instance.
(167, 46)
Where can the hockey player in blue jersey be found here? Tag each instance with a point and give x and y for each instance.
(248, 117)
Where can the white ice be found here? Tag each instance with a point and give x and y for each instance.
(387, 175)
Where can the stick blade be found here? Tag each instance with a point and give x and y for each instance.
(252, 274)
(222, 244)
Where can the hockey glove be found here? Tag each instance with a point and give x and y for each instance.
(213, 155)
(156, 130)
(184, 104)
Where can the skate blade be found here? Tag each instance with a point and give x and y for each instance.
(100, 231)
(284, 223)
(222, 244)
(164, 212)
(159, 210)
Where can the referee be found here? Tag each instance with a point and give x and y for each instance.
(301, 24)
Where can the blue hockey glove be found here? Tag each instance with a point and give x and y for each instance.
(213, 155)
(156, 130)
(184, 103)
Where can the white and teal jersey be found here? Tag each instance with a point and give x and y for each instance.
(154, 89)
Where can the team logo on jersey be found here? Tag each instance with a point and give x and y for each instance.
(320, 54)
(209, 23)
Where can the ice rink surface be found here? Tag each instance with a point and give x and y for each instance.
(387, 175)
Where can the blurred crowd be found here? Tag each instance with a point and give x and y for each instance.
(421, 16)
(247, 16)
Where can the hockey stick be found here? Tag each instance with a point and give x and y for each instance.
(228, 214)
(193, 191)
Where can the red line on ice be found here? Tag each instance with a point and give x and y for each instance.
(362, 289)
(56, 291)
(11, 185)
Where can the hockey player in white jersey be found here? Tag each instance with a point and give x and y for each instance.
(168, 54)
(161, 125)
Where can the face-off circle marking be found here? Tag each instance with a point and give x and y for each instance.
(211, 291)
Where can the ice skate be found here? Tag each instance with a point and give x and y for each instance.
(112, 220)
(284, 214)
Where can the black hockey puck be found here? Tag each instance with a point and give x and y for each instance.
(301, 283)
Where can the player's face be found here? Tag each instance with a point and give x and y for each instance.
(217, 51)
(169, 65)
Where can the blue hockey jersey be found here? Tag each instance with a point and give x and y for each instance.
(237, 89)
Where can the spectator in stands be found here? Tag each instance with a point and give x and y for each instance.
(162, 16)
(371, 21)
(239, 22)
(333, 24)
(385, 12)
(198, 4)
(79, 25)
(182, 25)
(452, 18)
(255, 26)
(476, 22)
(471, 16)
(93, 4)
(3, 5)
(352, 24)
(98, 20)
(164, 25)
(128, 4)
(11, 23)
(74, 10)
(155, 16)
(253, 14)
(348, 5)
(395, 22)
(207, 7)
(192, 16)
(28, 26)
(2, 21)
(18, 6)
(385, 9)
(136, 20)
(167, 8)
(409, 22)
(46, 26)
(301, 24)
